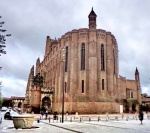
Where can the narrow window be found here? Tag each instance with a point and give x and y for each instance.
(83, 56)
(65, 87)
(82, 86)
(66, 59)
(127, 93)
(102, 84)
(131, 94)
(102, 58)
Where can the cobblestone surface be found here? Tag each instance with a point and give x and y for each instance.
(111, 125)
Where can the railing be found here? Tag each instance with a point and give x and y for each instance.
(89, 118)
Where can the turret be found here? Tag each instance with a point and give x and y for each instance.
(47, 48)
(31, 75)
(37, 65)
(92, 20)
(32, 71)
(29, 86)
(137, 79)
(136, 74)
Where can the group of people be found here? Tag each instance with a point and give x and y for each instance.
(44, 112)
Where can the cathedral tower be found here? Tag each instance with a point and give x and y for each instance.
(92, 20)
(137, 78)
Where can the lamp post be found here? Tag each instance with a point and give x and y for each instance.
(63, 85)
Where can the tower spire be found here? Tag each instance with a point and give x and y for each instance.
(92, 19)
(137, 78)
(136, 71)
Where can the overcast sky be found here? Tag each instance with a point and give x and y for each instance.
(30, 21)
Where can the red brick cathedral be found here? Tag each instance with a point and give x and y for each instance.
(83, 63)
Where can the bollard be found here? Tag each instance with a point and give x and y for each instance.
(1, 121)
(60, 119)
(107, 116)
(98, 118)
(116, 117)
(136, 118)
(148, 116)
(66, 118)
(127, 118)
(38, 121)
(80, 119)
(89, 119)
(49, 119)
(122, 115)
(70, 119)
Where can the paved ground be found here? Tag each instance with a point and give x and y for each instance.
(87, 125)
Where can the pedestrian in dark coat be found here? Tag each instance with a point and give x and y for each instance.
(141, 115)
(46, 114)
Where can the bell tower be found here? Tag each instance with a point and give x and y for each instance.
(92, 20)
(136, 74)
(137, 79)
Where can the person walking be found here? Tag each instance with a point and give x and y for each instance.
(46, 114)
(141, 115)
(42, 113)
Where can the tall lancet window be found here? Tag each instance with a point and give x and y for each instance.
(102, 58)
(83, 56)
(65, 87)
(102, 84)
(82, 86)
(66, 59)
(114, 61)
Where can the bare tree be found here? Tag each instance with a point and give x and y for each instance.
(3, 36)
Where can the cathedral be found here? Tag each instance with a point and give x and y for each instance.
(82, 66)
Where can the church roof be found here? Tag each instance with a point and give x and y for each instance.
(92, 13)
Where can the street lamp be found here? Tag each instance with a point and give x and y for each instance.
(63, 84)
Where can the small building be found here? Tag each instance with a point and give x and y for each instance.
(145, 102)
(13, 101)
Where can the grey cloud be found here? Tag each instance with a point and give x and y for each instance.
(30, 22)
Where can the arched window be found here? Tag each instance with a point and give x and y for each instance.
(83, 56)
(66, 59)
(102, 58)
